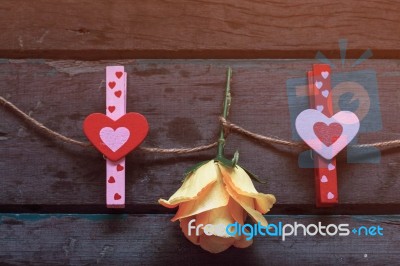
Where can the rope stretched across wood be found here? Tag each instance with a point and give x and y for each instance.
(228, 127)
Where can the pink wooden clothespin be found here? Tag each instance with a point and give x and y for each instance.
(115, 134)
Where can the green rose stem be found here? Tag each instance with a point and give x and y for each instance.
(221, 140)
(225, 112)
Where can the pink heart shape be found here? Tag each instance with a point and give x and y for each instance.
(306, 121)
(331, 167)
(318, 84)
(325, 74)
(114, 139)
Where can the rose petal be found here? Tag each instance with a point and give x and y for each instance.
(236, 211)
(215, 244)
(210, 199)
(220, 218)
(248, 205)
(184, 226)
(203, 177)
(240, 181)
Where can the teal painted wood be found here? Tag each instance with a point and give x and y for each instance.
(58, 239)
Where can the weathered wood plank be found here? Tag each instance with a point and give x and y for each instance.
(182, 101)
(153, 240)
(196, 29)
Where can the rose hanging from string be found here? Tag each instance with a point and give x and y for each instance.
(218, 192)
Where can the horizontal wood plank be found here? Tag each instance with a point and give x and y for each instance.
(182, 100)
(75, 29)
(154, 240)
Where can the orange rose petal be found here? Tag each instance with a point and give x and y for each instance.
(203, 218)
(236, 211)
(186, 209)
(240, 181)
(184, 226)
(248, 205)
(193, 185)
(204, 191)
(166, 204)
(216, 244)
(210, 199)
(264, 202)
(239, 178)
(219, 217)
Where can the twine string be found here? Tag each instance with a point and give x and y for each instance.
(227, 125)
(264, 139)
(275, 140)
(47, 132)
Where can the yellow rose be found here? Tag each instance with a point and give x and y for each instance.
(218, 195)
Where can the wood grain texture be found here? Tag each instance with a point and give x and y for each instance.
(182, 101)
(154, 240)
(75, 29)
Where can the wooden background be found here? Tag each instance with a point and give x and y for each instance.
(52, 199)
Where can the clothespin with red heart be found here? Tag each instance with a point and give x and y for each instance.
(326, 133)
(115, 134)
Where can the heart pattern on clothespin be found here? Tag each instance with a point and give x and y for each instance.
(115, 139)
(327, 135)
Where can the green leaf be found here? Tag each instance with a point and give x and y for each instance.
(235, 158)
(192, 169)
(254, 177)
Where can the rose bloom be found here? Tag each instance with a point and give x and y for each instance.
(218, 195)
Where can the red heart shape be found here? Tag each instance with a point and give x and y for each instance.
(328, 134)
(118, 74)
(117, 196)
(111, 108)
(120, 168)
(111, 180)
(134, 123)
(118, 93)
(111, 84)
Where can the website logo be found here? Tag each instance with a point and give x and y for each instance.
(282, 230)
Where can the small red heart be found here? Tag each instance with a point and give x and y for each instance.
(120, 168)
(117, 196)
(111, 180)
(118, 74)
(135, 123)
(328, 134)
(111, 108)
(118, 93)
(111, 84)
